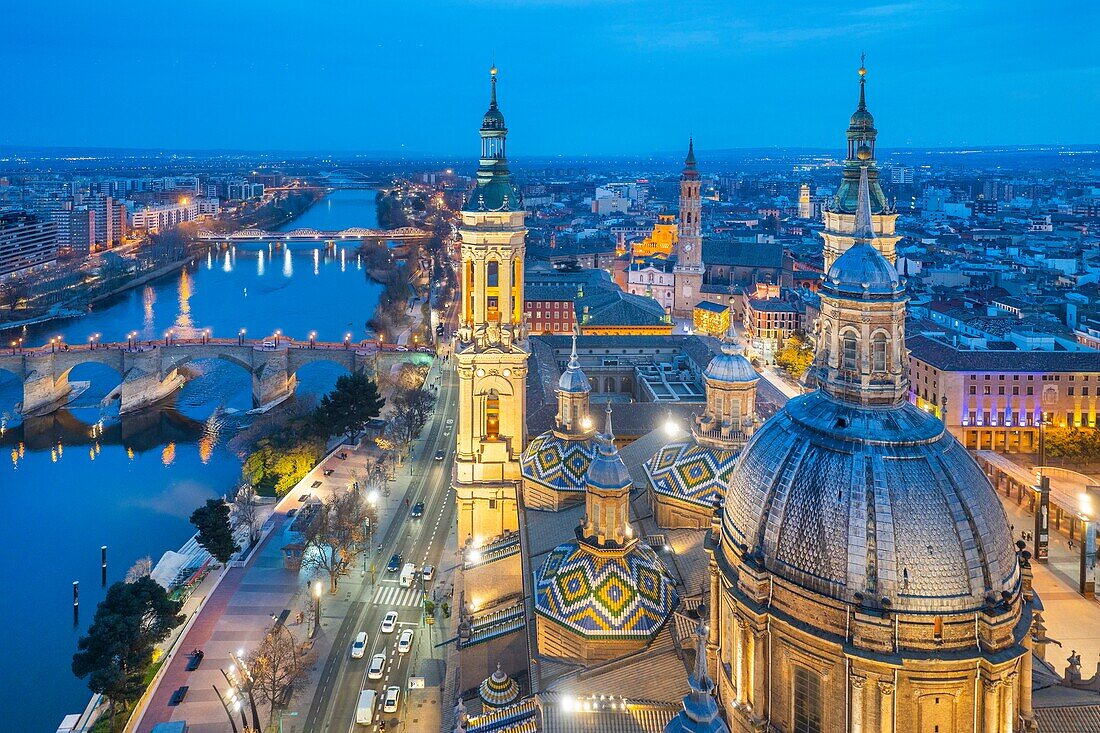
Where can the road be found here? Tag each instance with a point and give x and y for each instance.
(420, 541)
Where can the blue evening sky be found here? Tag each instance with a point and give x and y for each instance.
(577, 76)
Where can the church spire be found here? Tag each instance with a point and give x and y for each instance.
(493, 81)
(607, 495)
(690, 171)
(700, 713)
(864, 231)
(862, 82)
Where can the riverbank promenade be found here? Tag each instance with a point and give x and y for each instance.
(249, 598)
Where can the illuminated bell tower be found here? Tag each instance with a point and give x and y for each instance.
(839, 213)
(688, 273)
(491, 354)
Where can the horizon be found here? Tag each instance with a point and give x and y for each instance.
(578, 79)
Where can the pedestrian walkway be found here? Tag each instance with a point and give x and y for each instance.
(392, 596)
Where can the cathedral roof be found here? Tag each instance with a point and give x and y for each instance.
(618, 593)
(870, 504)
(556, 462)
(692, 473)
(863, 270)
(573, 380)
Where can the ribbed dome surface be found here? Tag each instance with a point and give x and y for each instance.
(730, 367)
(862, 268)
(881, 502)
(574, 381)
(493, 120)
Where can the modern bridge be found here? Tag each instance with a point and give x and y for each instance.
(151, 371)
(315, 235)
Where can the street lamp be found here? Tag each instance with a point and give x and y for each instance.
(312, 339)
(1086, 586)
(316, 607)
(240, 337)
(278, 333)
(347, 340)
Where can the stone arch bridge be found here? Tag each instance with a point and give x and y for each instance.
(151, 372)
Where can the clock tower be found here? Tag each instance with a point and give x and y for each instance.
(491, 351)
(688, 273)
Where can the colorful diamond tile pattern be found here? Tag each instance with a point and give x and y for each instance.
(597, 594)
(691, 472)
(557, 463)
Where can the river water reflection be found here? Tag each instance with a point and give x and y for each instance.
(83, 477)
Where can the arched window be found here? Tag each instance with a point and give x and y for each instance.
(609, 384)
(808, 711)
(492, 415)
(878, 353)
(849, 350)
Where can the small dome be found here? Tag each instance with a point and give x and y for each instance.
(881, 506)
(730, 367)
(862, 268)
(607, 470)
(493, 120)
(862, 119)
(498, 690)
(557, 463)
(605, 593)
(574, 381)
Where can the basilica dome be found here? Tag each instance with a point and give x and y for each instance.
(861, 268)
(730, 366)
(873, 505)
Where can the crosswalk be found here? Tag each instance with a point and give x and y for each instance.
(394, 597)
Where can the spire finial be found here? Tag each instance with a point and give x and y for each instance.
(701, 674)
(608, 432)
(689, 161)
(493, 78)
(574, 363)
(862, 81)
(863, 230)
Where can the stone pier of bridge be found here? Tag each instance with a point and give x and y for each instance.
(152, 372)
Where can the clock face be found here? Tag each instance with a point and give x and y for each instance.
(688, 247)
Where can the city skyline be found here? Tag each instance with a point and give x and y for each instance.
(599, 78)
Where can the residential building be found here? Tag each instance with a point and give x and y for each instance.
(26, 243)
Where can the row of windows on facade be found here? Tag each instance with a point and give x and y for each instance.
(1029, 418)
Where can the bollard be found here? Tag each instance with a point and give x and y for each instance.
(76, 603)
(103, 561)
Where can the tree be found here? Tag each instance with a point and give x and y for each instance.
(278, 668)
(117, 651)
(140, 569)
(418, 403)
(334, 538)
(795, 356)
(215, 534)
(246, 509)
(350, 406)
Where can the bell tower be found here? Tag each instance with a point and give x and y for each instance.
(491, 351)
(839, 213)
(688, 273)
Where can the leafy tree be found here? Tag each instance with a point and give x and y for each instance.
(117, 652)
(795, 356)
(215, 534)
(350, 406)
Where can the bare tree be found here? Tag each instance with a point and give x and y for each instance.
(278, 667)
(335, 537)
(140, 569)
(246, 510)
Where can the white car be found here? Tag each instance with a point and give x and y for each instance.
(405, 641)
(393, 697)
(377, 667)
(389, 623)
(427, 572)
(359, 646)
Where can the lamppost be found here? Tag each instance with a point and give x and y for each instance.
(347, 340)
(312, 339)
(278, 333)
(225, 706)
(246, 682)
(205, 336)
(240, 337)
(283, 716)
(1087, 586)
(316, 608)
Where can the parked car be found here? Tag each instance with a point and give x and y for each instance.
(359, 646)
(394, 564)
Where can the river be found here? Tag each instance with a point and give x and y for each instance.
(83, 477)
